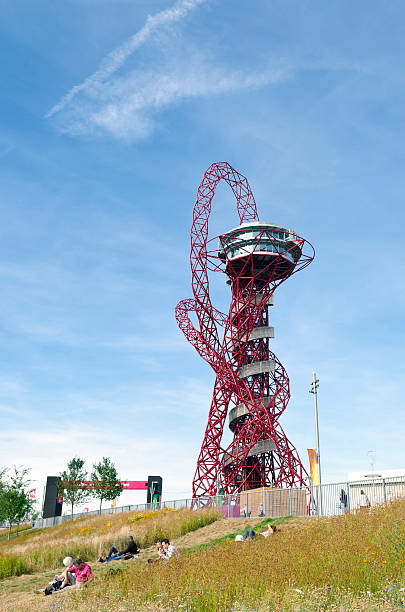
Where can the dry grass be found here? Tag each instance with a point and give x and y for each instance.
(352, 562)
(92, 536)
(15, 530)
(16, 593)
(342, 563)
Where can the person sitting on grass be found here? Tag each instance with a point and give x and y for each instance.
(167, 550)
(58, 581)
(83, 574)
(159, 550)
(130, 552)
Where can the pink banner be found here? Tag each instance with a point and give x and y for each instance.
(134, 484)
(131, 485)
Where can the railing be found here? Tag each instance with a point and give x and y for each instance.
(327, 500)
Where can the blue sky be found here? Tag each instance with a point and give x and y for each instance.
(111, 110)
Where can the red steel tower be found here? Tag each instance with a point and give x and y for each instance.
(251, 385)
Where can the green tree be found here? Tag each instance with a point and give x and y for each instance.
(15, 502)
(106, 483)
(3, 472)
(71, 482)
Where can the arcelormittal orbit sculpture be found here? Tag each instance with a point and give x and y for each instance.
(251, 385)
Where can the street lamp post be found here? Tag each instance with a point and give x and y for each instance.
(313, 390)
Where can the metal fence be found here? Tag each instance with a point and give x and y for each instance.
(327, 500)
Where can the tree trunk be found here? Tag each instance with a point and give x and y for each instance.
(9, 531)
(101, 501)
(72, 511)
(17, 529)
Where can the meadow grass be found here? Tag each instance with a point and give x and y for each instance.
(16, 530)
(231, 536)
(90, 537)
(357, 558)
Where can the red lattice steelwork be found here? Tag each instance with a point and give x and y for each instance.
(251, 384)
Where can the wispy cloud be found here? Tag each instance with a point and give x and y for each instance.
(116, 58)
(126, 107)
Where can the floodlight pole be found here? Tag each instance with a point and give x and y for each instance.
(313, 390)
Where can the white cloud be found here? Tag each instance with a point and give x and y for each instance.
(126, 108)
(116, 58)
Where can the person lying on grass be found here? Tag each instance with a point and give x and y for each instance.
(58, 581)
(250, 534)
(130, 552)
(83, 574)
(271, 529)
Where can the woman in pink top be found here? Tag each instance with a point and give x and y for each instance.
(83, 574)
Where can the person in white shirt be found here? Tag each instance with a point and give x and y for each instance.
(168, 550)
(364, 501)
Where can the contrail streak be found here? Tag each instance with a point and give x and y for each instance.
(114, 60)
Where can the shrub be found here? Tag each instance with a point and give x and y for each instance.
(13, 566)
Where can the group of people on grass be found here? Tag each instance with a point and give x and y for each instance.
(77, 574)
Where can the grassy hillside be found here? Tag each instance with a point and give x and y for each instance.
(356, 561)
(352, 562)
(89, 537)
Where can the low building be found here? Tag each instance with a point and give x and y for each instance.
(379, 486)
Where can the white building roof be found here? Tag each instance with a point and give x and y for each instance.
(351, 476)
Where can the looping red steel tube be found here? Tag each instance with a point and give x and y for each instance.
(251, 385)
